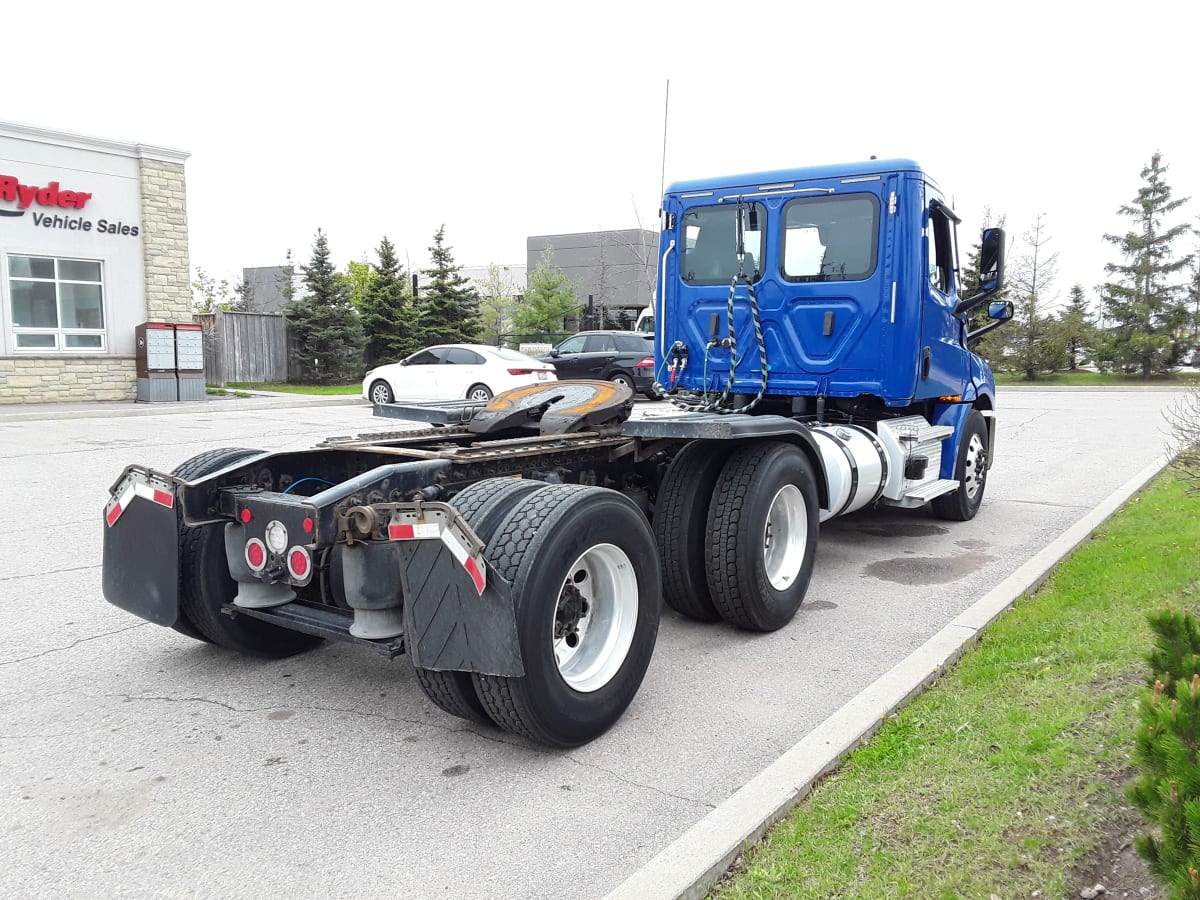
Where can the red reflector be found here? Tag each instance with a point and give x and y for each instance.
(400, 532)
(298, 563)
(648, 361)
(476, 575)
(308, 526)
(163, 498)
(246, 516)
(256, 554)
(113, 514)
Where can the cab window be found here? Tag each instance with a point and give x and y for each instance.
(710, 243)
(939, 250)
(830, 238)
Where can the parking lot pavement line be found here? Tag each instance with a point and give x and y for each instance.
(55, 411)
(697, 859)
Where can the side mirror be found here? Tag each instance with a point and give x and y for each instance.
(554, 353)
(1000, 310)
(991, 261)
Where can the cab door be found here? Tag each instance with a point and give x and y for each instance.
(942, 365)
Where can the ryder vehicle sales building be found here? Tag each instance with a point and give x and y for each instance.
(93, 242)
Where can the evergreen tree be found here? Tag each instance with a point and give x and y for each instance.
(386, 310)
(325, 336)
(549, 298)
(1033, 342)
(1075, 328)
(286, 280)
(447, 309)
(1143, 303)
(244, 296)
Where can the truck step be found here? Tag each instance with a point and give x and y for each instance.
(323, 621)
(931, 489)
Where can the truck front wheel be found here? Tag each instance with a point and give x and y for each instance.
(205, 583)
(762, 535)
(970, 470)
(587, 588)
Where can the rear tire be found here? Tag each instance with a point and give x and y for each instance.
(381, 392)
(762, 535)
(205, 583)
(479, 392)
(484, 505)
(681, 527)
(622, 378)
(582, 565)
(970, 470)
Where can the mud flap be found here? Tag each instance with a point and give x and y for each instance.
(448, 625)
(141, 561)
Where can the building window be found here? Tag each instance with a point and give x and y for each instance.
(56, 304)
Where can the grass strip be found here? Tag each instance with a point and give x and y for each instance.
(323, 389)
(1005, 774)
(1101, 379)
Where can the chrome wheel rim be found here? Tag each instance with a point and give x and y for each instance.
(974, 467)
(785, 537)
(594, 620)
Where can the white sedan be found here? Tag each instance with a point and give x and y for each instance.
(454, 372)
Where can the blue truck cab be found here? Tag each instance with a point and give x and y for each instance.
(843, 280)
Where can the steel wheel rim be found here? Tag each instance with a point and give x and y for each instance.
(379, 393)
(785, 537)
(604, 579)
(974, 467)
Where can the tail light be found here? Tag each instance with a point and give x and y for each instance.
(256, 555)
(648, 361)
(528, 371)
(299, 563)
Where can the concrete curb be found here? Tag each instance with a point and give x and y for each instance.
(223, 404)
(696, 860)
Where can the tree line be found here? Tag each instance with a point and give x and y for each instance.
(1147, 318)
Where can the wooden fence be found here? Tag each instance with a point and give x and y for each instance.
(244, 347)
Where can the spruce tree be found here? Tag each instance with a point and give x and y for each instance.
(1143, 303)
(447, 309)
(386, 311)
(549, 298)
(1075, 327)
(325, 336)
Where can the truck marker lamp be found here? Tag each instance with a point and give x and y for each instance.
(277, 536)
(950, 398)
(256, 555)
(308, 525)
(299, 563)
(118, 505)
(246, 516)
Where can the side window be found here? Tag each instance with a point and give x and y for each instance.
(939, 252)
(572, 344)
(460, 356)
(598, 343)
(710, 243)
(427, 357)
(830, 238)
(634, 343)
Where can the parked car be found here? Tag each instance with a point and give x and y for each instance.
(454, 372)
(622, 356)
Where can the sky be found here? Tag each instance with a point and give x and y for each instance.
(501, 121)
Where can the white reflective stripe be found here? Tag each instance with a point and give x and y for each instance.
(127, 495)
(455, 546)
(426, 530)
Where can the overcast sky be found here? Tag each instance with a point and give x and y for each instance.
(504, 120)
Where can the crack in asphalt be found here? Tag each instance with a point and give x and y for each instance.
(1039, 503)
(44, 572)
(1028, 422)
(83, 640)
(638, 784)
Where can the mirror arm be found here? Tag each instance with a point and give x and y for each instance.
(980, 332)
(968, 304)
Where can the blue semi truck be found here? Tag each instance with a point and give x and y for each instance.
(810, 332)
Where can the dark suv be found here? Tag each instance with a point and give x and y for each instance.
(622, 356)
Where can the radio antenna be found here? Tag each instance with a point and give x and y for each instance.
(662, 182)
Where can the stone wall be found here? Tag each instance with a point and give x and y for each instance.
(49, 379)
(165, 242)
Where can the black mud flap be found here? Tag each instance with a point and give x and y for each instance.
(141, 559)
(448, 625)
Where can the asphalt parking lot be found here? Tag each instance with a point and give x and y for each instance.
(134, 762)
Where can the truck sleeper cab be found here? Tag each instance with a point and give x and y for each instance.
(518, 550)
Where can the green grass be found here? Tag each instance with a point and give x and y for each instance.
(331, 389)
(999, 778)
(1098, 379)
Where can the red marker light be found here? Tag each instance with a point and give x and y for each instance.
(308, 526)
(256, 554)
(298, 563)
(246, 516)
